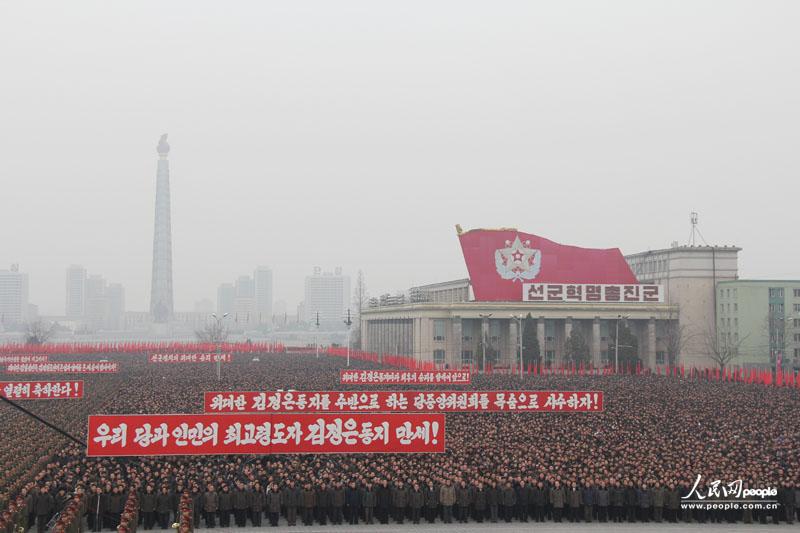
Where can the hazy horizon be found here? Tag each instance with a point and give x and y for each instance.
(357, 134)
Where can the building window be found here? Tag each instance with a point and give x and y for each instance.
(796, 308)
(549, 356)
(438, 357)
(797, 322)
(734, 293)
(467, 338)
(466, 357)
(604, 356)
(796, 293)
(797, 337)
(797, 352)
(776, 293)
(735, 308)
(660, 356)
(438, 330)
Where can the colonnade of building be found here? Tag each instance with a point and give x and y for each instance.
(457, 340)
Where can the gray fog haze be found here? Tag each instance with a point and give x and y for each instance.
(358, 133)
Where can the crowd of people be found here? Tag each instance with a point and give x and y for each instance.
(635, 461)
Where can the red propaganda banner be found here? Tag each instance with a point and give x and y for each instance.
(500, 261)
(189, 357)
(405, 377)
(221, 434)
(74, 367)
(41, 390)
(23, 358)
(403, 401)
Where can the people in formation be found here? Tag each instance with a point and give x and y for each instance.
(637, 461)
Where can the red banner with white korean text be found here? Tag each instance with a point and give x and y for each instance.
(224, 434)
(405, 377)
(189, 357)
(403, 401)
(4, 359)
(41, 390)
(73, 367)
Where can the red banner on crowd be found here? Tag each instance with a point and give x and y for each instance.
(221, 434)
(23, 358)
(405, 377)
(41, 390)
(189, 357)
(73, 367)
(402, 401)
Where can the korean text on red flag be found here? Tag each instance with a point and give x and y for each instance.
(41, 390)
(222, 434)
(73, 367)
(405, 377)
(402, 401)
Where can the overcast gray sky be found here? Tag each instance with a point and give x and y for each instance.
(358, 133)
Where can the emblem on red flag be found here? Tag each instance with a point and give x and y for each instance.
(518, 261)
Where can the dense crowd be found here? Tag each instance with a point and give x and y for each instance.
(632, 462)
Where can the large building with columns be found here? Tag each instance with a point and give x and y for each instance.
(563, 288)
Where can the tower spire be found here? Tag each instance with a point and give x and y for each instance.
(161, 282)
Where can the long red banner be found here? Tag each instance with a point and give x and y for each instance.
(72, 367)
(23, 358)
(41, 390)
(403, 401)
(221, 434)
(405, 377)
(189, 357)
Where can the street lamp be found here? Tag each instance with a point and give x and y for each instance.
(518, 318)
(483, 340)
(316, 336)
(348, 323)
(616, 343)
(218, 340)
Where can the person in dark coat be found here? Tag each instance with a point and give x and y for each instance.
(617, 502)
(147, 507)
(463, 501)
(588, 501)
(225, 507)
(352, 502)
(384, 501)
(240, 501)
(540, 501)
(631, 501)
(574, 500)
(557, 500)
(645, 500)
(493, 501)
(273, 504)
(197, 506)
(416, 500)
(337, 504)
(673, 503)
(399, 502)
(308, 501)
(163, 507)
(44, 506)
(368, 501)
(210, 506)
(323, 504)
(522, 501)
(509, 500)
(431, 501)
(290, 500)
(97, 509)
(256, 502)
(659, 500)
(602, 501)
(479, 503)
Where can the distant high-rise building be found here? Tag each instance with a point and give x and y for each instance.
(114, 319)
(13, 297)
(76, 289)
(263, 281)
(244, 305)
(161, 286)
(226, 293)
(96, 304)
(328, 294)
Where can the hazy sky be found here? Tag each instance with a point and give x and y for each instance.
(358, 133)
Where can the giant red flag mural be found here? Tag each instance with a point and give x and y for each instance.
(501, 261)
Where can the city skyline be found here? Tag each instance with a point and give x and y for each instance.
(300, 139)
